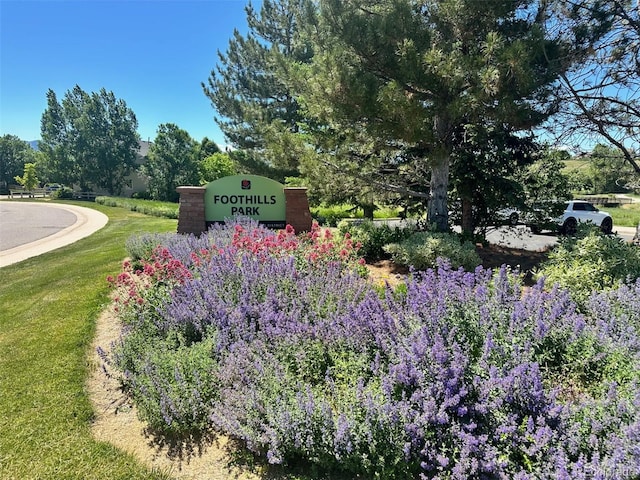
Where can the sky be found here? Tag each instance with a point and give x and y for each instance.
(153, 54)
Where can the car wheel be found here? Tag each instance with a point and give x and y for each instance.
(569, 227)
(513, 219)
(606, 226)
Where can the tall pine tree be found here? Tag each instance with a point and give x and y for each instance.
(248, 87)
(412, 74)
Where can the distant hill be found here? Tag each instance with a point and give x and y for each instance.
(34, 144)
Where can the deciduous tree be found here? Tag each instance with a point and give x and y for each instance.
(600, 95)
(89, 139)
(172, 161)
(216, 166)
(14, 154)
(29, 180)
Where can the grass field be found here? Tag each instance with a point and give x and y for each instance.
(625, 215)
(48, 309)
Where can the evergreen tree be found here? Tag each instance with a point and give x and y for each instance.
(248, 87)
(485, 164)
(410, 74)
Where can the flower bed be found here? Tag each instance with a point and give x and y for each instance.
(276, 340)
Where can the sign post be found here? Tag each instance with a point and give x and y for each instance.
(251, 196)
(265, 200)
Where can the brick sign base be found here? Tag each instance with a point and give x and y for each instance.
(191, 217)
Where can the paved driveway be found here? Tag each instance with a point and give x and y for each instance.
(28, 229)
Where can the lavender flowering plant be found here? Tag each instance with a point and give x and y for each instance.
(465, 375)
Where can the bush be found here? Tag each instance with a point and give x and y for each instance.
(142, 246)
(147, 207)
(462, 376)
(422, 250)
(64, 193)
(141, 195)
(331, 215)
(591, 262)
(374, 236)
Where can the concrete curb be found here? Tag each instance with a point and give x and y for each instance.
(88, 221)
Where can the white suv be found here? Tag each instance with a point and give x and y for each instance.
(579, 211)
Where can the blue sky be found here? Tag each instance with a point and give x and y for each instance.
(151, 54)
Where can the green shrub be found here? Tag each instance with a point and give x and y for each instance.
(148, 207)
(62, 193)
(590, 261)
(141, 195)
(374, 237)
(422, 249)
(329, 216)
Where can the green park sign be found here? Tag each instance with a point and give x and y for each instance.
(251, 196)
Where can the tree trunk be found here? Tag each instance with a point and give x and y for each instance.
(467, 217)
(438, 214)
(368, 211)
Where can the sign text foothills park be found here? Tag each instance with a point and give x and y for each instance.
(252, 196)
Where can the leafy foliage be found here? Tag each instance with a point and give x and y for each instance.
(375, 237)
(14, 154)
(591, 262)
(216, 166)
(609, 171)
(29, 180)
(171, 162)
(148, 207)
(423, 249)
(89, 139)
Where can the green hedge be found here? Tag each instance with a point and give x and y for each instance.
(148, 207)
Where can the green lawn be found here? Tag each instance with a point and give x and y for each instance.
(625, 215)
(48, 310)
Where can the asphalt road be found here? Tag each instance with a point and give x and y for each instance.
(22, 223)
(28, 229)
(521, 237)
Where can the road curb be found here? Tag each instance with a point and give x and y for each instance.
(88, 221)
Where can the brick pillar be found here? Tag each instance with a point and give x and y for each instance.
(191, 212)
(297, 208)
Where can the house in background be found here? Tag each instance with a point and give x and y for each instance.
(137, 183)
